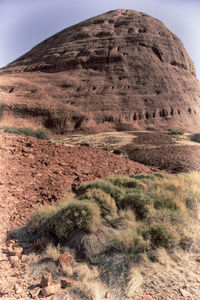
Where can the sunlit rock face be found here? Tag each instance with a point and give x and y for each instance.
(122, 66)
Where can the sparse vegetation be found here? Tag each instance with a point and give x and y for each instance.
(175, 132)
(117, 222)
(196, 138)
(78, 215)
(146, 211)
(53, 252)
(105, 202)
(119, 152)
(38, 133)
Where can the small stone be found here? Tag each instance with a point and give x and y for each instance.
(18, 289)
(197, 258)
(31, 156)
(14, 260)
(50, 289)
(67, 282)
(3, 257)
(66, 259)
(23, 258)
(147, 297)
(35, 292)
(45, 280)
(17, 251)
(6, 288)
(107, 295)
(7, 250)
(11, 242)
(184, 293)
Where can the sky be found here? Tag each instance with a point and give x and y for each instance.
(25, 23)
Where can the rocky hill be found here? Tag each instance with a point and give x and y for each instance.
(120, 70)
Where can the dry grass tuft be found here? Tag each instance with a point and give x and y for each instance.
(119, 221)
(53, 252)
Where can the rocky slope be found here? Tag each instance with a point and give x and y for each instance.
(35, 172)
(123, 69)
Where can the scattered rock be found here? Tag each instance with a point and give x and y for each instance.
(67, 282)
(50, 289)
(23, 258)
(6, 288)
(35, 292)
(147, 297)
(17, 251)
(31, 156)
(11, 242)
(184, 293)
(65, 259)
(107, 295)
(7, 250)
(18, 289)
(45, 280)
(197, 258)
(3, 257)
(14, 260)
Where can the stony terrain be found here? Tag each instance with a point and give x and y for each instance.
(172, 153)
(35, 172)
(122, 70)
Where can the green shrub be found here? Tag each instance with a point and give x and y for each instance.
(40, 220)
(105, 201)
(81, 215)
(163, 235)
(137, 202)
(106, 186)
(119, 152)
(128, 241)
(175, 132)
(42, 134)
(165, 202)
(196, 138)
(39, 133)
(154, 208)
(126, 181)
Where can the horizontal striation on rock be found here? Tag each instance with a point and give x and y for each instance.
(123, 63)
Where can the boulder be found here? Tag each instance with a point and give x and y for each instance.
(65, 259)
(50, 289)
(45, 280)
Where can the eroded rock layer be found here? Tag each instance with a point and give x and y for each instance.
(123, 68)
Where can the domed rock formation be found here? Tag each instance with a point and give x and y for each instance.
(122, 69)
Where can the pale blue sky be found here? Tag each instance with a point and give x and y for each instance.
(24, 23)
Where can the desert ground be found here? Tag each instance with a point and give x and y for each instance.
(37, 172)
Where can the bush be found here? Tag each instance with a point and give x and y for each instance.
(196, 138)
(163, 236)
(120, 151)
(39, 133)
(42, 134)
(151, 207)
(128, 241)
(106, 186)
(165, 202)
(138, 203)
(175, 132)
(81, 215)
(104, 201)
(40, 219)
(125, 181)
